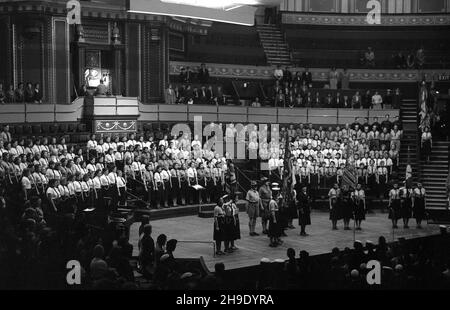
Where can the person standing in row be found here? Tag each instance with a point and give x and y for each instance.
(394, 205)
(406, 198)
(334, 195)
(219, 226)
(304, 210)
(346, 206)
(359, 205)
(230, 226)
(265, 194)
(419, 204)
(253, 205)
(274, 231)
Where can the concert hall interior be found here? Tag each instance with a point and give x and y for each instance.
(180, 145)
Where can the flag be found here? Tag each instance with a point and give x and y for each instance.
(349, 177)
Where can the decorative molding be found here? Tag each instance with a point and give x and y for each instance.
(121, 126)
(360, 20)
(319, 74)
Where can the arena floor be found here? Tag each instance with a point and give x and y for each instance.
(321, 238)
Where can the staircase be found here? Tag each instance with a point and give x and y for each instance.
(434, 175)
(409, 143)
(274, 44)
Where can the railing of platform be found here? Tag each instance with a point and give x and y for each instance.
(201, 242)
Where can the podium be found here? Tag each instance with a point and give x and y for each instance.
(112, 114)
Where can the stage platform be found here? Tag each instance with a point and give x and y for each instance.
(321, 238)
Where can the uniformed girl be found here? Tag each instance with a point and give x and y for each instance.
(229, 228)
(53, 197)
(122, 187)
(236, 225)
(219, 226)
(346, 206)
(334, 195)
(406, 196)
(394, 205)
(372, 180)
(26, 185)
(304, 210)
(175, 185)
(98, 193)
(274, 231)
(314, 180)
(382, 175)
(359, 205)
(419, 203)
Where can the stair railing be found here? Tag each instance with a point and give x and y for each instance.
(240, 173)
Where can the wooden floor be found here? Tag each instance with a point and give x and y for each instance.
(321, 238)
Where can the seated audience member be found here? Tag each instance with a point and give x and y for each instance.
(37, 93)
(169, 95)
(387, 101)
(369, 57)
(222, 100)
(396, 99)
(367, 100)
(147, 250)
(328, 102)
(386, 123)
(101, 89)
(345, 79)
(420, 57)
(287, 76)
(185, 75)
(278, 73)
(377, 101)
(307, 78)
(399, 60)
(280, 100)
(317, 101)
(2, 94)
(19, 94)
(346, 103)
(29, 93)
(356, 101)
(256, 103)
(411, 60)
(333, 78)
(10, 95)
(203, 74)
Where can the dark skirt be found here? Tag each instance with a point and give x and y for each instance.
(229, 228)
(346, 209)
(362, 180)
(304, 215)
(395, 211)
(291, 211)
(265, 213)
(381, 185)
(406, 208)
(219, 234)
(335, 213)
(274, 228)
(419, 209)
(360, 212)
(314, 180)
(426, 148)
(236, 228)
(372, 182)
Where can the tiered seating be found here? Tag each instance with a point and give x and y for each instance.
(73, 132)
(343, 47)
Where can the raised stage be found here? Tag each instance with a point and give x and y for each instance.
(251, 249)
